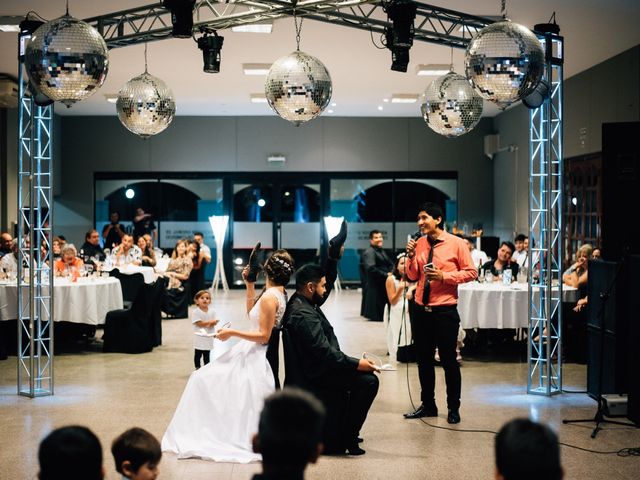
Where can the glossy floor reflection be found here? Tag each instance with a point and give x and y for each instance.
(112, 392)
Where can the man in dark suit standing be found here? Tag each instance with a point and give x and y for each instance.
(314, 361)
(375, 267)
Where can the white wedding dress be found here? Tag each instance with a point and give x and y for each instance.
(221, 404)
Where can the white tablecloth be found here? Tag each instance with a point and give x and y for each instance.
(496, 305)
(147, 272)
(86, 301)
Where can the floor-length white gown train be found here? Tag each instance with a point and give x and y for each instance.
(221, 404)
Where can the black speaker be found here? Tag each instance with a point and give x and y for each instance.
(620, 187)
(633, 342)
(607, 330)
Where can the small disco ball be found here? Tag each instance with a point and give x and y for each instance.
(298, 87)
(450, 106)
(504, 62)
(67, 60)
(145, 105)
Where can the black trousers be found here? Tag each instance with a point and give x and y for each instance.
(204, 354)
(433, 330)
(355, 392)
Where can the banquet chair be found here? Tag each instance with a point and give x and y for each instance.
(127, 330)
(153, 300)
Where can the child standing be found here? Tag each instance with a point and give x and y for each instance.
(204, 319)
(137, 454)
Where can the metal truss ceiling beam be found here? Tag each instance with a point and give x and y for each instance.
(153, 22)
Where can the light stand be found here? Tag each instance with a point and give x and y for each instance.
(599, 416)
(332, 226)
(219, 227)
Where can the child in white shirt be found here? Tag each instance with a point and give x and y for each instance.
(204, 320)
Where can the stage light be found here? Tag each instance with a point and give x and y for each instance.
(181, 16)
(211, 47)
(399, 54)
(261, 202)
(129, 193)
(402, 13)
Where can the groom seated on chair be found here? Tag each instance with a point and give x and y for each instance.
(313, 359)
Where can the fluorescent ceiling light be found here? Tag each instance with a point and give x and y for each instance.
(258, 98)
(111, 97)
(432, 69)
(256, 68)
(10, 23)
(253, 28)
(404, 98)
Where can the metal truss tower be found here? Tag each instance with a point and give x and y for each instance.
(546, 230)
(35, 195)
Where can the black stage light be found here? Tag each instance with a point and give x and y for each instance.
(181, 16)
(399, 54)
(402, 13)
(211, 46)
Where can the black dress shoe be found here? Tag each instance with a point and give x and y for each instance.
(355, 450)
(423, 411)
(336, 243)
(453, 416)
(254, 264)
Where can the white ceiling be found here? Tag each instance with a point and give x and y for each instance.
(594, 30)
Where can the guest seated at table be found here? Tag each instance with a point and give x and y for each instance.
(175, 300)
(521, 248)
(56, 247)
(126, 253)
(9, 262)
(478, 256)
(148, 256)
(596, 254)
(68, 264)
(577, 275)
(503, 262)
(5, 244)
(91, 251)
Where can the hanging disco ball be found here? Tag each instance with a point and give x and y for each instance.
(504, 62)
(450, 106)
(298, 87)
(67, 60)
(145, 105)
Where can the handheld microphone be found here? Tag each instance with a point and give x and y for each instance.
(416, 236)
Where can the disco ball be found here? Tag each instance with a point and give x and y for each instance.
(145, 105)
(504, 62)
(298, 87)
(451, 107)
(67, 60)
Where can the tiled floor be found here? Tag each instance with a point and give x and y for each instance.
(111, 392)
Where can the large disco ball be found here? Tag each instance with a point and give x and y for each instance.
(504, 62)
(145, 105)
(450, 106)
(298, 87)
(67, 60)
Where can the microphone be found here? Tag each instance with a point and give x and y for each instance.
(415, 236)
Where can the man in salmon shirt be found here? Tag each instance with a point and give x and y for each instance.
(438, 261)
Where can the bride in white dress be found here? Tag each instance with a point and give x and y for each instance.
(221, 404)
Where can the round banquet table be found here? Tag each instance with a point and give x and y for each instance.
(495, 305)
(88, 300)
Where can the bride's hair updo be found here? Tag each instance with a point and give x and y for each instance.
(279, 267)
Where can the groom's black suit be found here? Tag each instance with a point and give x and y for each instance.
(314, 361)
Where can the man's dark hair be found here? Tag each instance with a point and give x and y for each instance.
(88, 234)
(290, 429)
(72, 452)
(138, 447)
(521, 237)
(519, 442)
(308, 273)
(372, 233)
(434, 210)
(198, 233)
(510, 245)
